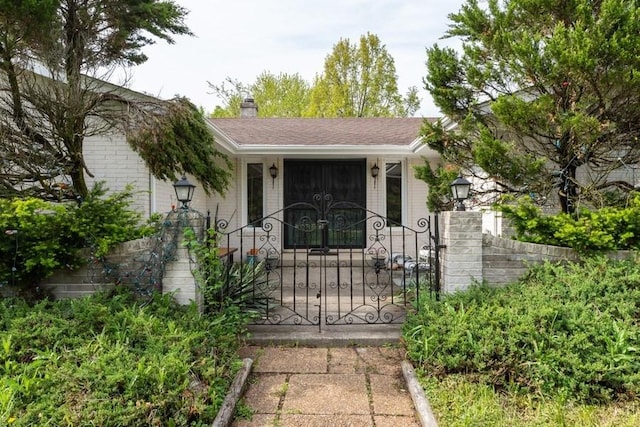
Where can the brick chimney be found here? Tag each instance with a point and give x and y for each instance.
(248, 108)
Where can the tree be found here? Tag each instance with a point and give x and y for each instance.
(52, 56)
(544, 93)
(360, 81)
(282, 95)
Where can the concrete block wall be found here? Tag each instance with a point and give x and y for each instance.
(95, 276)
(469, 255)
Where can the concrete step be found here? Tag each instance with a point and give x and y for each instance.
(332, 336)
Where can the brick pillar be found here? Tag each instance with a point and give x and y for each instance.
(462, 256)
(178, 276)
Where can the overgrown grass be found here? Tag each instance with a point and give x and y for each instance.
(109, 360)
(562, 347)
(459, 401)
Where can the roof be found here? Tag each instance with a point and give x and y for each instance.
(312, 131)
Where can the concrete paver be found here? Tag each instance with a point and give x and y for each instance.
(326, 386)
(293, 360)
(327, 394)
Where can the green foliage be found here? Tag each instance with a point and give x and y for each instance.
(439, 185)
(109, 360)
(566, 332)
(458, 401)
(36, 239)
(104, 220)
(540, 89)
(235, 287)
(606, 229)
(180, 140)
(39, 237)
(358, 81)
(45, 120)
(282, 95)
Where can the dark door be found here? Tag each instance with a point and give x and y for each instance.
(325, 202)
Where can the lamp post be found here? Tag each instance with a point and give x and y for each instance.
(184, 191)
(460, 189)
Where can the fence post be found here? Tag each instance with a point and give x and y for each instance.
(462, 253)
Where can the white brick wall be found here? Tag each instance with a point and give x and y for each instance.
(110, 159)
(178, 279)
(462, 256)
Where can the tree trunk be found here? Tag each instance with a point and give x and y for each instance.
(568, 189)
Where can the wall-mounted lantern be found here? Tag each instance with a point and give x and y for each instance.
(273, 171)
(375, 171)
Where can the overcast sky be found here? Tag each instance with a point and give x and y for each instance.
(243, 38)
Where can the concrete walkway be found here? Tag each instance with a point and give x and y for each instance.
(327, 386)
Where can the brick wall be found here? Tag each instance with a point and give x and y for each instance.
(470, 255)
(129, 264)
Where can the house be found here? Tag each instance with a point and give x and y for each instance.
(280, 162)
(283, 161)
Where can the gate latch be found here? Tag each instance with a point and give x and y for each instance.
(322, 224)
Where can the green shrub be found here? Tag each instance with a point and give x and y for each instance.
(571, 332)
(103, 220)
(36, 239)
(111, 361)
(586, 231)
(39, 237)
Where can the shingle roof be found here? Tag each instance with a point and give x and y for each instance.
(318, 132)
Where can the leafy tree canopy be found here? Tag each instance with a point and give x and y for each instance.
(161, 138)
(544, 93)
(53, 55)
(282, 95)
(358, 81)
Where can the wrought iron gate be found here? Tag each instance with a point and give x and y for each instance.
(335, 263)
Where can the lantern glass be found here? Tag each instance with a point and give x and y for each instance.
(184, 191)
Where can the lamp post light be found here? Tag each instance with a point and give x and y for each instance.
(460, 189)
(184, 191)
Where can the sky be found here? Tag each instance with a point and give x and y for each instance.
(243, 38)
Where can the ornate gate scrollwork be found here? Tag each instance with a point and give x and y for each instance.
(336, 263)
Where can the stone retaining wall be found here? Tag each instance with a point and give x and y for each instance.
(506, 260)
(128, 258)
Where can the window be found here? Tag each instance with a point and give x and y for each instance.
(394, 193)
(255, 200)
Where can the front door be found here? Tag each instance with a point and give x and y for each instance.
(328, 196)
